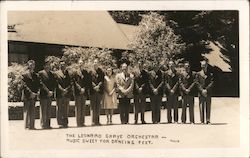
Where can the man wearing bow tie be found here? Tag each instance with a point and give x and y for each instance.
(29, 95)
(156, 92)
(140, 91)
(63, 93)
(205, 84)
(81, 83)
(125, 84)
(187, 86)
(96, 91)
(172, 85)
(47, 88)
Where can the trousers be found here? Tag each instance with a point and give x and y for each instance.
(95, 101)
(205, 108)
(172, 104)
(140, 106)
(62, 110)
(29, 113)
(187, 100)
(156, 102)
(45, 112)
(124, 104)
(80, 102)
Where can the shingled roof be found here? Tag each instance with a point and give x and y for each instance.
(79, 28)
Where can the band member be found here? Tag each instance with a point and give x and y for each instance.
(47, 88)
(140, 91)
(125, 83)
(63, 94)
(156, 92)
(172, 85)
(187, 86)
(205, 84)
(80, 79)
(96, 92)
(29, 95)
(110, 96)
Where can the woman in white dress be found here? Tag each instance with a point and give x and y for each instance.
(110, 96)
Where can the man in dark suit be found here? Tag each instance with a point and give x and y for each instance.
(63, 94)
(29, 95)
(47, 88)
(156, 92)
(172, 85)
(205, 84)
(140, 91)
(81, 91)
(125, 84)
(188, 90)
(96, 91)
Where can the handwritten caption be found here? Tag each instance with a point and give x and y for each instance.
(131, 139)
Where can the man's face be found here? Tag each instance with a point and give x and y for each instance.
(187, 67)
(124, 67)
(47, 67)
(203, 65)
(31, 66)
(171, 64)
(109, 71)
(95, 64)
(62, 65)
(145, 66)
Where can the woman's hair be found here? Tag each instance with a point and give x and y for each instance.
(109, 68)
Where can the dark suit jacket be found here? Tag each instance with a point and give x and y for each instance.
(171, 81)
(30, 85)
(141, 81)
(47, 83)
(96, 78)
(156, 82)
(63, 83)
(81, 80)
(205, 81)
(187, 80)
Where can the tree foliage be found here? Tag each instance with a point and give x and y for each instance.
(154, 42)
(196, 28)
(15, 72)
(72, 56)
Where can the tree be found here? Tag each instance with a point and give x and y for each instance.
(154, 42)
(72, 56)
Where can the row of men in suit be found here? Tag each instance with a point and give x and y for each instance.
(157, 82)
(47, 84)
(84, 84)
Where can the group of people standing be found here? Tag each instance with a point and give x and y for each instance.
(105, 89)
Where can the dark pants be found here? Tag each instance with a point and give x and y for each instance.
(140, 106)
(29, 113)
(187, 100)
(124, 104)
(95, 100)
(62, 110)
(172, 104)
(205, 104)
(45, 112)
(80, 102)
(156, 102)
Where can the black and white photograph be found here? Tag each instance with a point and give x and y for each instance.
(107, 81)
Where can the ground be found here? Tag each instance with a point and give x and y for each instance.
(223, 132)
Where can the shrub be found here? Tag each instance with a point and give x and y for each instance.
(15, 83)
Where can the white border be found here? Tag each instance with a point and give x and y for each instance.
(242, 6)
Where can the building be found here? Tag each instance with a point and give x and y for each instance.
(35, 35)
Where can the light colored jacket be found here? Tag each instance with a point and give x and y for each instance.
(125, 85)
